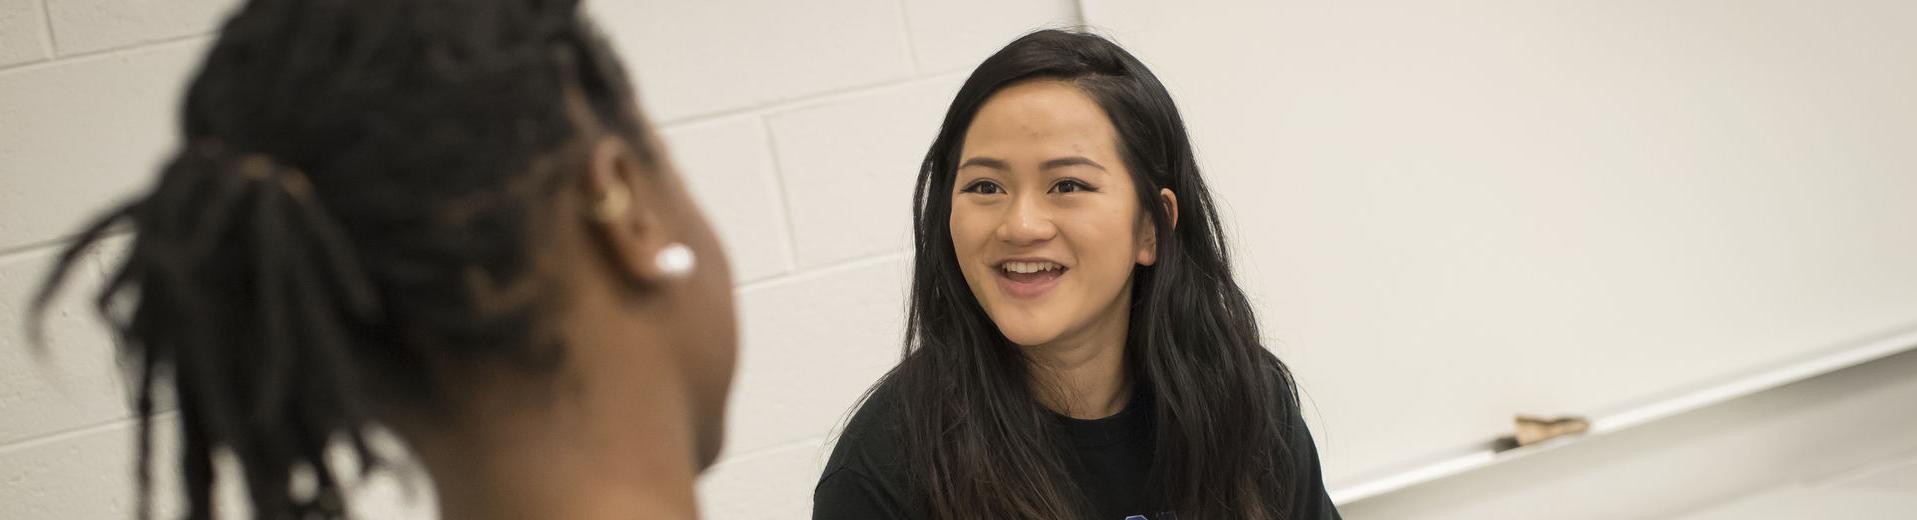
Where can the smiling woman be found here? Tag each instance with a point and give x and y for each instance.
(1037, 204)
(1077, 346)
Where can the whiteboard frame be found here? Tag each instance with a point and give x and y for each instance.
(1477, 456)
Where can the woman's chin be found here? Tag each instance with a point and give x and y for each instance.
(1028, 336)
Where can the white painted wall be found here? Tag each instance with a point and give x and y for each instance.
(1453, 212)
(799, 126)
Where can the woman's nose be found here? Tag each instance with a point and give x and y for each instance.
(1027, 221)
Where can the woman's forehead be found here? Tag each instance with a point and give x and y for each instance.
(1040, 121)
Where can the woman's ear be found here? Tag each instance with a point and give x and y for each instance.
(1148, 241)
(622, 210)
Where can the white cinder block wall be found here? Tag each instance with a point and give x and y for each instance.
(797, 124)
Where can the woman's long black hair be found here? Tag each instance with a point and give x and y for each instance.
(980, 444)
(354, 197)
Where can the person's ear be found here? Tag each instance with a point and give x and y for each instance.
(622, 210)
(1148, 239)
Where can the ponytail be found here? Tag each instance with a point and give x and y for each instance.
(243, 293)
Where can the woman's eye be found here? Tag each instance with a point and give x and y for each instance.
(983, 187)
(1069, 185)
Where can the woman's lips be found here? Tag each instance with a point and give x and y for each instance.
(1028, 285)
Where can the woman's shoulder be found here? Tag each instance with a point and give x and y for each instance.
(873, 441)
(866, 477)
(1308, 495)
(1286, 406)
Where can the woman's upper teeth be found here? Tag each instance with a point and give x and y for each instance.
(1029, 267)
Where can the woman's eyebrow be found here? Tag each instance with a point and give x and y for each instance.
(1000, 164)
(1074, 160)
(988, 162)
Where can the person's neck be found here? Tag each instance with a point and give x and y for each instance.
(1083, 376)
(569, 444)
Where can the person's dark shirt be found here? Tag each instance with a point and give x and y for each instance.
(1109, 459)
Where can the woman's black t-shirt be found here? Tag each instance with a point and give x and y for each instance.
(1110, 460)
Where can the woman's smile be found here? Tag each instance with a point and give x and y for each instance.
(1029, 278)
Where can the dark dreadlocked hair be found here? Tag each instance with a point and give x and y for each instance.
(355, 196)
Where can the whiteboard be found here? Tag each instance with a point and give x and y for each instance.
(1449, 213)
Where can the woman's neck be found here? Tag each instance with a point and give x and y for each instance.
(566, 445)
(1083, 375)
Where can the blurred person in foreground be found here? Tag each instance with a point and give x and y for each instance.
(444, 219)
